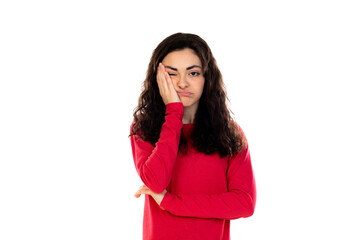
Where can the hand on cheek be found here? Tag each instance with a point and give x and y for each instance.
(158, 197)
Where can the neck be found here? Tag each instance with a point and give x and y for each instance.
(189, 114)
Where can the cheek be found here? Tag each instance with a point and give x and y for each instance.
(201, 85)
(174, 80)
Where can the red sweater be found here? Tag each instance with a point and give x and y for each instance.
(204, 192)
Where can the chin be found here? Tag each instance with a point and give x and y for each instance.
(187, 103)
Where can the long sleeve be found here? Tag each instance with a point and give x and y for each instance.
(155, 164)
(238, 201)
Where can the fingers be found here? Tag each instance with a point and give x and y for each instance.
(168, 81)
(142, 190)
(166, 86)
(161, 80)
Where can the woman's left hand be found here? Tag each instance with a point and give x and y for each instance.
(158, 197)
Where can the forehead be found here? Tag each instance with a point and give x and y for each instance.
(184, 57)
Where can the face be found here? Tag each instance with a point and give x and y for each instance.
(185, 70)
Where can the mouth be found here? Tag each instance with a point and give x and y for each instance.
(184, 93)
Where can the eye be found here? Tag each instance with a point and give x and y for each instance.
(172, 74)
(194, 74)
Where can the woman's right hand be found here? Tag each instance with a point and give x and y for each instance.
(166, 87)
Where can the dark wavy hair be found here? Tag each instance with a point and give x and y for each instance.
(214, 129)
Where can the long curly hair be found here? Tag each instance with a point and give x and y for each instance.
(214, 129)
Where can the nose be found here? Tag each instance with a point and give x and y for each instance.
(182, 82)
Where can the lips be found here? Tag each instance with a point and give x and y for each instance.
(184, 93)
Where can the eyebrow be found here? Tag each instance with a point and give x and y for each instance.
(188, 68)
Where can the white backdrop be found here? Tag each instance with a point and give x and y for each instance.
(71, 73)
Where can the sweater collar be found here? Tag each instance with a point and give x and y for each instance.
(187, 129)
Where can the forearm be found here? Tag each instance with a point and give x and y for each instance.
(155, 164)
(230, 205)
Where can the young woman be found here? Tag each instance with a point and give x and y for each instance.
(192, 157)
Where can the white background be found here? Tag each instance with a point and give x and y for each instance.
(71, 74)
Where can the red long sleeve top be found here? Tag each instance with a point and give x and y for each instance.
(204, 192)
